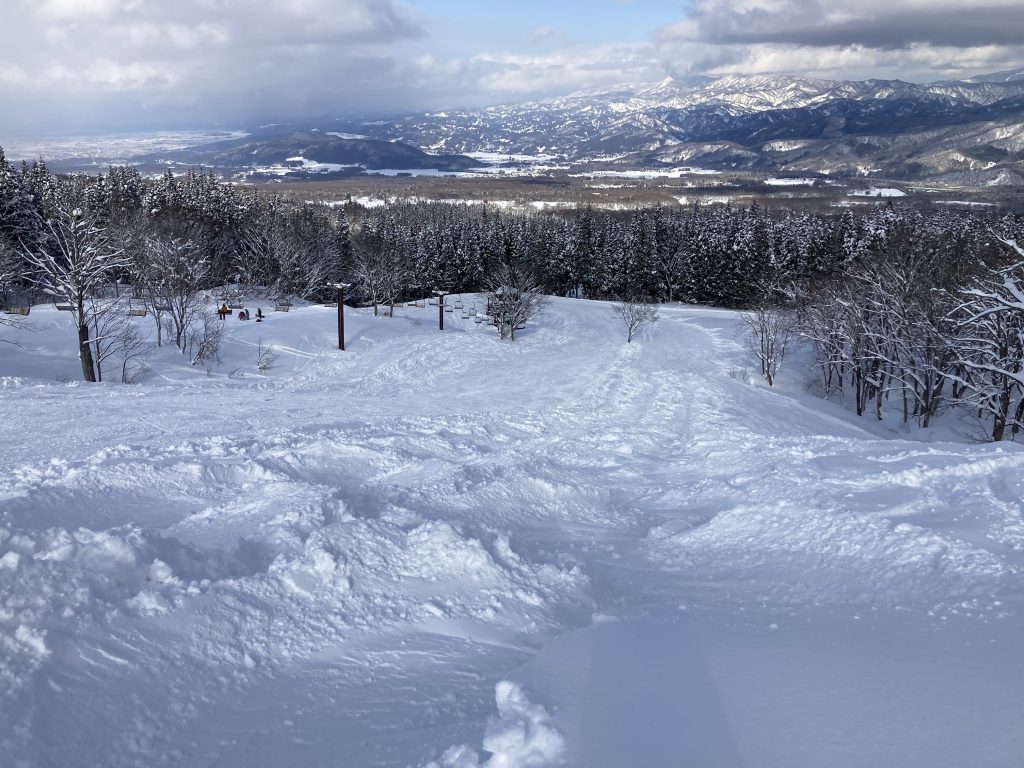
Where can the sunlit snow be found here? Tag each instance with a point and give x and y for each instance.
(442, 548)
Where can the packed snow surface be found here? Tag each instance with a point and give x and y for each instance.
(445, 549)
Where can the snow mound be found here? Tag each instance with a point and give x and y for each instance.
(522, 736)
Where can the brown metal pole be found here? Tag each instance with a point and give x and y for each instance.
(341, 318)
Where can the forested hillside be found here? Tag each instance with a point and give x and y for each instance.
(923, 310)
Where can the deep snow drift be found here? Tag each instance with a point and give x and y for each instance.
(447, 549)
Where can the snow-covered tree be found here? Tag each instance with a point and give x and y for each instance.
(75, 263)
(990, 346)
(513, 298)
(173, 281)
(378, 268)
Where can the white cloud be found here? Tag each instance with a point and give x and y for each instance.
(911, 39)
(235, 60)
(571, 68)
(79, 9)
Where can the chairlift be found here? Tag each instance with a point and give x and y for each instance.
(449, 308)
(282, 307)
(65, 308)
(235, 304)
(432, 302)
(472, 311)
(421, 304)
(162, 307)
(478, 320)
(134, 311)
(19, 310)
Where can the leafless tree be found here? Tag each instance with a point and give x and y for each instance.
(174, 277)
(265, 357)
(72, 267)
(379, 274)
(513, 298)
(770, 331)
(133, 348)
(115, 336)
(990, 346)
(205, 337)
(670, 263)
(108, 320)
(634, 314)
(264, 248)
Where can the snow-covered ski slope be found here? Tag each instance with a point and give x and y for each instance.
(449, 548)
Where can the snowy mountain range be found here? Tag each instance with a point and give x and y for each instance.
(972, 129)
(964, 132)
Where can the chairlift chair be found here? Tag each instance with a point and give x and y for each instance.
(134, 311)
(18, 310)
(65, 308)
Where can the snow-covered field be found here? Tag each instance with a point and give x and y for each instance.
(668, 173)
(877, 192)
(790, 182)
(110, 146)
(447, 548)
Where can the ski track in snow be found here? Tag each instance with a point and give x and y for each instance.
(338, 565)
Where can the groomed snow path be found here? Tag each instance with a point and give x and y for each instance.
(337, 563)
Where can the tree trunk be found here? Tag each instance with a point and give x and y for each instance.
(1018, 417)
(85, 353)
(999, 422)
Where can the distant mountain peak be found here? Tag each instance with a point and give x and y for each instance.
(768, 122)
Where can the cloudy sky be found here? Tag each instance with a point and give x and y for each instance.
(80, 65)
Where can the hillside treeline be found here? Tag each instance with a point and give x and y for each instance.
(923, 310)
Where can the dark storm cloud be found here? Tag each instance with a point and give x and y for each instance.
(74, 65)
(132, 62)
(909, 39)
(869, 23)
